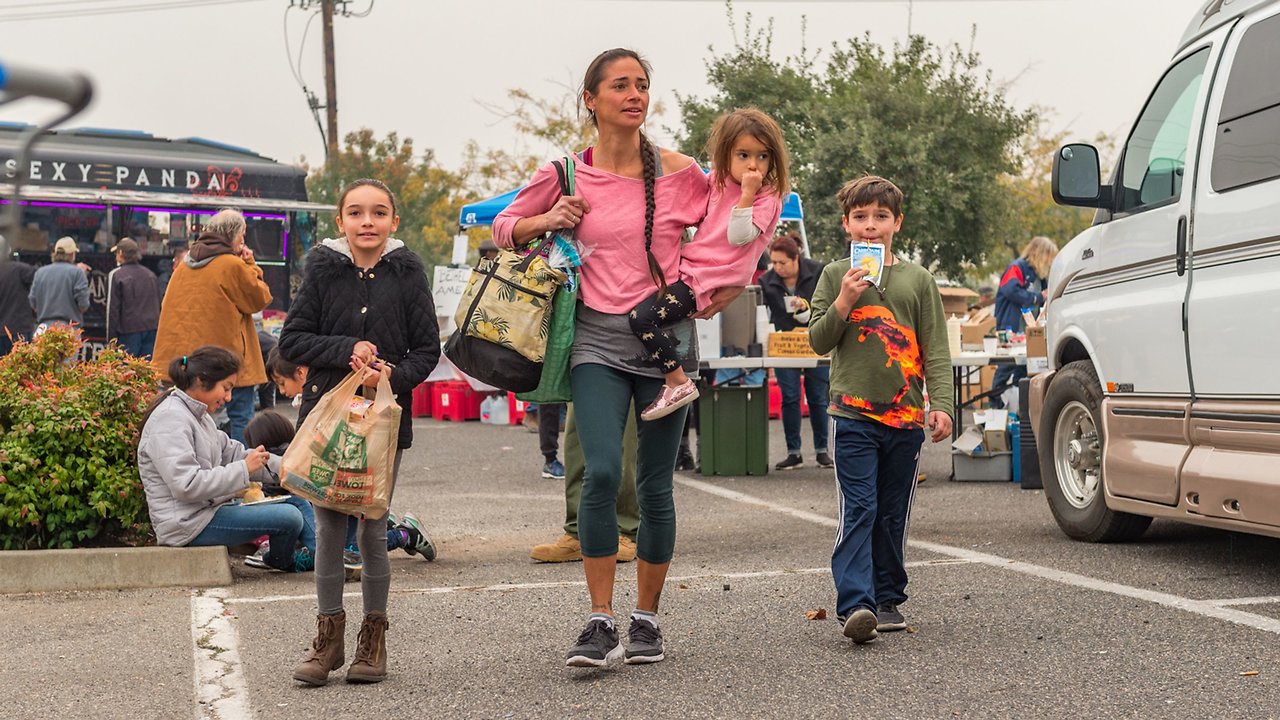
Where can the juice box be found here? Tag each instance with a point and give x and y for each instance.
(869, 256)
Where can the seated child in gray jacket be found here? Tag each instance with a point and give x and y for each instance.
(195, 477)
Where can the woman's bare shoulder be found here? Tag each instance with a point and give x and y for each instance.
(674, 162)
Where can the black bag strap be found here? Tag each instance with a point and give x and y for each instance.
(564, 171)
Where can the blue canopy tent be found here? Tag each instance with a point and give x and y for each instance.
(483, 212)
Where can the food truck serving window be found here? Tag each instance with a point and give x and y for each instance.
(43, 223)
(158, 230)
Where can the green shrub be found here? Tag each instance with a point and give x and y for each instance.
(68, 473)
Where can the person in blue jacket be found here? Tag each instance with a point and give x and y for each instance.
(1025, 284)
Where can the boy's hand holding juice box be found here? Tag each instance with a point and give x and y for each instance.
(870, 257)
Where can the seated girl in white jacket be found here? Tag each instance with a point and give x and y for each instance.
(195, 476)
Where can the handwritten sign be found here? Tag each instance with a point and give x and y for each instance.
(446, 289)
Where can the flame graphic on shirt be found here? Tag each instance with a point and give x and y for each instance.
(901, 348)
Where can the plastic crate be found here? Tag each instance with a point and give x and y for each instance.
(981, 467)
(775, 400)
(455, 401)
(422, 400)
(515, 409)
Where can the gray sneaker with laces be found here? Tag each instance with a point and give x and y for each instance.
(597, 645)
(644, 643)
(889, 619)
(861, 626)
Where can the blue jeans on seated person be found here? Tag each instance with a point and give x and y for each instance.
(285, 523)
(138, 344)
(816, 382)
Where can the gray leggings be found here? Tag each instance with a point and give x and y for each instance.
(331, 537)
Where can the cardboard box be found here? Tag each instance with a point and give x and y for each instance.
(956, 300)
(969, 442)
(1037, 351)
(995, 431)
(792, 344)
(971, 333)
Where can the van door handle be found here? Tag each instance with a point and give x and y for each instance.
(1182, 246)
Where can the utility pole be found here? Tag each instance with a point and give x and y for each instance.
(330, 77)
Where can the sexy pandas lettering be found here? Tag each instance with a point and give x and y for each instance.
(211, 181)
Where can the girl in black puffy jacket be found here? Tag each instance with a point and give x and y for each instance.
(365, 306)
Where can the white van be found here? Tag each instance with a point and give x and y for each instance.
(1164, 316)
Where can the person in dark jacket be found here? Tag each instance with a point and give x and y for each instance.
(364, 305)
(788, 288)
(1025, 284)
(60, 290)
(133, 301)
(17, 320)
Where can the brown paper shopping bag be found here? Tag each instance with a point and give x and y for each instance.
(344, 454)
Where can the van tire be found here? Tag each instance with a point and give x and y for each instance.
(1073, 407)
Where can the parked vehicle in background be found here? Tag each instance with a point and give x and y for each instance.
(1164, 319)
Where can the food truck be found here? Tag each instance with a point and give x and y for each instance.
(98, 186)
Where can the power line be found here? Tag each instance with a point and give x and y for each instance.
(122, 9)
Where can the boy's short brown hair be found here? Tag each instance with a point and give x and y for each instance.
(869, 190)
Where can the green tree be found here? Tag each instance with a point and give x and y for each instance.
(428, 197)
(925, 117)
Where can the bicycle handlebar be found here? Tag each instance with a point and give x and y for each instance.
(74, 89)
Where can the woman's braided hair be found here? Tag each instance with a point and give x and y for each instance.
(648, 154)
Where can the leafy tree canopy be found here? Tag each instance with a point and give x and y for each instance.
(428, 197)
(927, 118)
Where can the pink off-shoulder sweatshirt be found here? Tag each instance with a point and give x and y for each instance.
(615, 273)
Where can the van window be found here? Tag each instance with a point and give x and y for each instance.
(1248, 145)
(1156, 152)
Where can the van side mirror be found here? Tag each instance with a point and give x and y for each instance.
(1077, 178)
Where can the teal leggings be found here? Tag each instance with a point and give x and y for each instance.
(603, 396)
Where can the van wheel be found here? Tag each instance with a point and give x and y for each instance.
(1072, 468)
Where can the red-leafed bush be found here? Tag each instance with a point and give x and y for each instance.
(68, 430)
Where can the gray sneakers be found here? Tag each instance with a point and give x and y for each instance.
(597, 645)
(644, 643)
(888, 619)
(861, 626)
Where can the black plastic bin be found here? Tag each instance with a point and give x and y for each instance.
(1030, 457)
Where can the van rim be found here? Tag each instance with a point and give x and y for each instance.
(1077, 455)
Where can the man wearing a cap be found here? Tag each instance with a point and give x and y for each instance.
(60, 290)
(133, 301)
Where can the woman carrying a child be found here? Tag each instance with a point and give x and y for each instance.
(632, 204)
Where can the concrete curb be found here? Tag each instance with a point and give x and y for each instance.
(28, 571)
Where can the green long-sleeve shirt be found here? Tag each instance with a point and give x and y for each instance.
(892, 343)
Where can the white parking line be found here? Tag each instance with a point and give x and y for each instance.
(1264, 600)
(221, 692)
(1213, 609)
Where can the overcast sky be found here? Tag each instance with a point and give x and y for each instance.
(428, 68)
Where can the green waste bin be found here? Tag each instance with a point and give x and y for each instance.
(733, 430)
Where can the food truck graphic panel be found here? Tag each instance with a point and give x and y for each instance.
(97, 186)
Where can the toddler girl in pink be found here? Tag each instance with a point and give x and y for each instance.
(749, 181)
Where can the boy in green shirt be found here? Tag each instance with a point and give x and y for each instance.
(886, 340)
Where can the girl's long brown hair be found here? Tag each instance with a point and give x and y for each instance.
(749, 121)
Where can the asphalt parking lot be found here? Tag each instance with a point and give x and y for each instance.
(1008, 618)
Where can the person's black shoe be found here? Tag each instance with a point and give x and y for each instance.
(644, 643)
(685, 461)
(824, 460)
(597, 645)
(791, 462)
(888, 619)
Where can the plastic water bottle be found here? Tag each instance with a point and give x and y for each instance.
(953, 334)
(1015, 444)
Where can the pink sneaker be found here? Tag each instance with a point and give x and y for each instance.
(670, 400)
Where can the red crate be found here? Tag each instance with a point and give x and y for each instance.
(422, 400)
(515, 409)
(454, 400)
(775, 400)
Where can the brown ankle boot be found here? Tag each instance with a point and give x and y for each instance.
(327, 651)
(370, 663)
